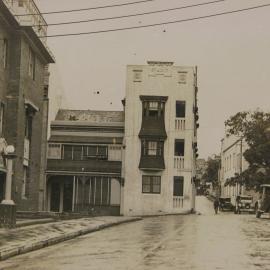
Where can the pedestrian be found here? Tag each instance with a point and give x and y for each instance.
(216, 205)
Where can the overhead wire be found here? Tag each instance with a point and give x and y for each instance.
(132, 15)
(159, 24)
(84, 9)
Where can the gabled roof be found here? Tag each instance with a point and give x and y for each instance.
(90, 116)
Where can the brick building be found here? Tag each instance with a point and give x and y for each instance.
(24, 60)
(84, 162)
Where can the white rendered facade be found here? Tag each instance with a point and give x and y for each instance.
(165, 184)
(232, 163)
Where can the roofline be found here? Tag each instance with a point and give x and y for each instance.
(29, 31)
(57, 123)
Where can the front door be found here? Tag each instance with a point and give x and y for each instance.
(68, 195)
(55, 196)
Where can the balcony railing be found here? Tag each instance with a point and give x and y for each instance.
(178, 202)
(180, 123)
(179, 163)
(35, 18)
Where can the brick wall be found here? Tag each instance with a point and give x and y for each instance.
(15, 87)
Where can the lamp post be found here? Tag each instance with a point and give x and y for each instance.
(10, 155)
(7, 206)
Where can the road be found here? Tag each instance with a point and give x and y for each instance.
(198, 242)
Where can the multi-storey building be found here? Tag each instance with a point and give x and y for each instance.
(24, 59)
(84, 162)
(232, 163)
(160, 139)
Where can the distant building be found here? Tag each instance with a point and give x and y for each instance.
(160, 139)
(24, 59)
(84, 162)
(232, 163)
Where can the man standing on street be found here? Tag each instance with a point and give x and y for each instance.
(216, 205)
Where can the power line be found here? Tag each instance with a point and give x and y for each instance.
(133, 15)
(84, 9)
(158, 24)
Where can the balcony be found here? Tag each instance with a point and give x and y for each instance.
(179, 162)
(17, 7)
(84, 166)
(26, 152)
(178, 202)
(180, 124)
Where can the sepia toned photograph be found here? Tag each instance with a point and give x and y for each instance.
(134, 135)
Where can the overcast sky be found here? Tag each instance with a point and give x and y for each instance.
(232, 53)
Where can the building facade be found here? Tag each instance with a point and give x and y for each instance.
(24, 60)
(160, 139)
(84, 162)
(232, 163)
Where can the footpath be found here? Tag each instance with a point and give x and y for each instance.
(32, 237)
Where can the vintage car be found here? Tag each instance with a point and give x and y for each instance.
(225, 204)
(244, 204)
(262, 205)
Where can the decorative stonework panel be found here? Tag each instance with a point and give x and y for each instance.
(137, 75)
(182, 77)
(160, 71)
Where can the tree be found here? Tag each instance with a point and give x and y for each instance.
(252, 127)
(211, 173)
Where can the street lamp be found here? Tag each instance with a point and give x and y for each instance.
(7, 206)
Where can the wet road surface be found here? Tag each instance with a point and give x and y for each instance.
(197, 242)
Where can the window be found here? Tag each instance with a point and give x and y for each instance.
(67, 152)
(32, 64)
(180, 109)
(153, 109)
(77, 152)
(178, 186)
(28, 125)
(151, 184)
(95, 152)
(179, 148)
(84, 152)
(5, 53)
(25, 184)
(21, 3)
(152, 148)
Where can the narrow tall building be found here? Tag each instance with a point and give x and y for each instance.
(160, 141)
(24, 59)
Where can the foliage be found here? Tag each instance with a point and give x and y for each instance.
(211, 173)
(252, 127)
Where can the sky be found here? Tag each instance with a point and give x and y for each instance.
(231, 52)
